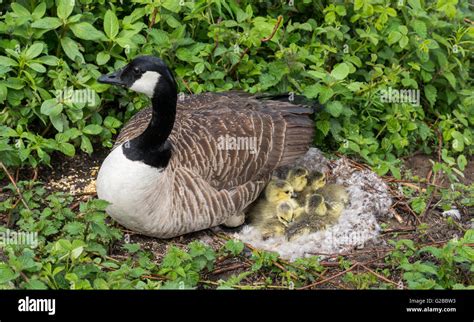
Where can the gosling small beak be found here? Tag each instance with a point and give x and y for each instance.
(294, 195)
(113, 78)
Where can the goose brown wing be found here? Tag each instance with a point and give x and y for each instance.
(266, 135)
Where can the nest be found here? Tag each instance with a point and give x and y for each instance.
(369, 199)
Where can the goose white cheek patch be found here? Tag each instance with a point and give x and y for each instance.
(146, 84)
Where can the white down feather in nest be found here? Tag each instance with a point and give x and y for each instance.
(369, 199)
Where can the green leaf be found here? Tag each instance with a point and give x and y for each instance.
(111, 24)
(451, 78)
(418, 205)
(86, 31)
(334, 108)
(64, 8)
(393, 126)
(48, 23)
(39, 11)
(74, 228)
(34, 284)
(15, 83)
(51, 107)
(458, 141)
(186, 55)
(112, 122)
(396, 172)
(71, 49)
(48, 60)
(34, 50)
(37, 67)
(3, 93)
(67, 149)
(431, 94)
(86, 144)
(172, 5)
(102, 58)
(7, 61)
(324, 126)
(235, 247)
(131, 248)
(6, 273)
(317, 74)
(20, 10)
(462, 162)
(172, 21)
(340, 71)
(199, 68)
(393, 37)
(312, 91)
(419, 27)
(58, 122)
(92, 129)
(358, 4)
(403, 41)
(325, 94)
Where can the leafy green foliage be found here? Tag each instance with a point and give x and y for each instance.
(444, 267)
(76, 248)
(182, 268)
(343, 55)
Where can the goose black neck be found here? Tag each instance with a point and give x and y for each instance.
(152, 147)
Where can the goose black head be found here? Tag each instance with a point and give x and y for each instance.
(144, 74)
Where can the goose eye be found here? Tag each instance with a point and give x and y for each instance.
(136, 70)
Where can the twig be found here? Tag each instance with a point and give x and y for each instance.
(187, 86)
(379, 276)
(329, 278)
(398, 230)
(216, 39)
(9, 216)
(395, 213)
(153, 277)
(229, 268)
(85, 193)
(14, 184)
(256, 285)
(275, 28)
(35, 174)
(153, 18)
(266, 39)
(23, 275)
(74, 205)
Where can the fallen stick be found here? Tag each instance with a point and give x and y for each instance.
(14, 185)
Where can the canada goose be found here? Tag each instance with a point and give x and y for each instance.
(316, 180)
(273, 226)
(169, 174)
(298, 178)
(334, 211)
(334, 193)
(322, 209)
(313, 181)
(276, 192)
(313, 219)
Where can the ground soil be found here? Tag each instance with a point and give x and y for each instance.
(421, 165)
